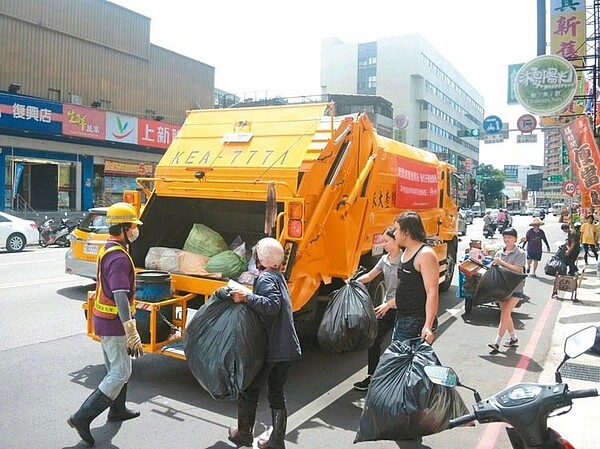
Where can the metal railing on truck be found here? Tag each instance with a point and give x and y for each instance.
(173, 345)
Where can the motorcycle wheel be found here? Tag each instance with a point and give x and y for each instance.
(43, 243)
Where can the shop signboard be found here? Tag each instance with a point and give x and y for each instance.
(121, 128)
(80, 121)
(546, 84)
(126, 168)
(30, 114)
(156, 134)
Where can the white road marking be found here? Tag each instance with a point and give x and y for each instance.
(41, 282)
(26, 262)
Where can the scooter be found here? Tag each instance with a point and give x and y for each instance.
(525, 406)
(50, 234)
(489, 230)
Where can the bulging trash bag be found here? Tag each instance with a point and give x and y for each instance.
(225, 346)
(203, 240)
(556, 265)
(402, 402)
(497, 284)
(349, 323)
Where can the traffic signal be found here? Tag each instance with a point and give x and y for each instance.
(468, 132)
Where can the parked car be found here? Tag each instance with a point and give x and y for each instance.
(16, 233)
(462, 223)
(468, 215)
(478, 209)
(86, 240)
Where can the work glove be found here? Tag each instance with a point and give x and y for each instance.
(132, 339)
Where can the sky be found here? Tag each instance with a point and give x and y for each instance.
(264, 48)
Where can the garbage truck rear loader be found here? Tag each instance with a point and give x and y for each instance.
(324, 186)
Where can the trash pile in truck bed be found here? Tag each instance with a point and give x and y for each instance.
(204, 253)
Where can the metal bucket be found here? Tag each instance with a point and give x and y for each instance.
(153, 286)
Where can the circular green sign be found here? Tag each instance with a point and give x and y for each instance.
(546, 84)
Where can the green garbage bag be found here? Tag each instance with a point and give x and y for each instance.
(203, 240)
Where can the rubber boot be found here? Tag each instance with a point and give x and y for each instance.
(95, 404)
(118, 411)
(242, 434)
(276, 440)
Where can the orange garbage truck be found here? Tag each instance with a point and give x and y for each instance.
(326, 187)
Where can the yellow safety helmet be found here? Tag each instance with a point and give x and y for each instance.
(122, 213)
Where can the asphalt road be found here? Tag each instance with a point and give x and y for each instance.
(49, 367)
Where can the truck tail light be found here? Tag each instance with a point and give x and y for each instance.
(295, 228)
(295, 211)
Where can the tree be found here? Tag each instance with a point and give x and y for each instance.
(491, 184)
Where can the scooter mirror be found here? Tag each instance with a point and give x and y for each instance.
(580, 341)
(442, 375)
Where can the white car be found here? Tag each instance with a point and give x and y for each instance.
(16, 233)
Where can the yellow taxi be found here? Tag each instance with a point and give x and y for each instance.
(86, 239)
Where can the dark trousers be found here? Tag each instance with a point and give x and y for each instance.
(587, 246)
(384, 326)
(274, 374)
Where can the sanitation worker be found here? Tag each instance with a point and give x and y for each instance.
(271, 300)
(113, 322)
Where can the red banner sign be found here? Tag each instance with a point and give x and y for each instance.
(85, 122)
(416, 185)
(156, 134)
(585, 160)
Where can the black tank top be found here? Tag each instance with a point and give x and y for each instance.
(410, 294)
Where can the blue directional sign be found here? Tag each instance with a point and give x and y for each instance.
(492, 124)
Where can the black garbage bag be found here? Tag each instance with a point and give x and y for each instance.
(402, 402)
(225, 345)
(349, 323)
(497, 284)
(557, 265)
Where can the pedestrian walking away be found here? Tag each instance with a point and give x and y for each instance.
(589, 238)
(386, 311)
(113, 322)
(533, 240)
(271, 300)
(512, 258)
(417, 294)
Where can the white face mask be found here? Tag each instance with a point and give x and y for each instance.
(135, 233)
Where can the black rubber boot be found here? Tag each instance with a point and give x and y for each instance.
(118, 411)
(276, 440)
(95, 404)
(242, 434)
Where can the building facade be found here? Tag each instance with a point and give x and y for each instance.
(87, 103)
(432, 102)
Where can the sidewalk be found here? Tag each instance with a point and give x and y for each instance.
(580, 425)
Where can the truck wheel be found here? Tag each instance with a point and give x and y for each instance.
(450, 264)
(377, 290)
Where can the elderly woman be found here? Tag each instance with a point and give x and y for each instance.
(533, 239)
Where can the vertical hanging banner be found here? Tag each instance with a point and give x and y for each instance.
(567, 39)
(585, 160)
(416, 185)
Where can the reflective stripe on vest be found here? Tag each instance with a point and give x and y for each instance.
(105, 307)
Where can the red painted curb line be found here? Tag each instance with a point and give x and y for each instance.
(490, 436)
